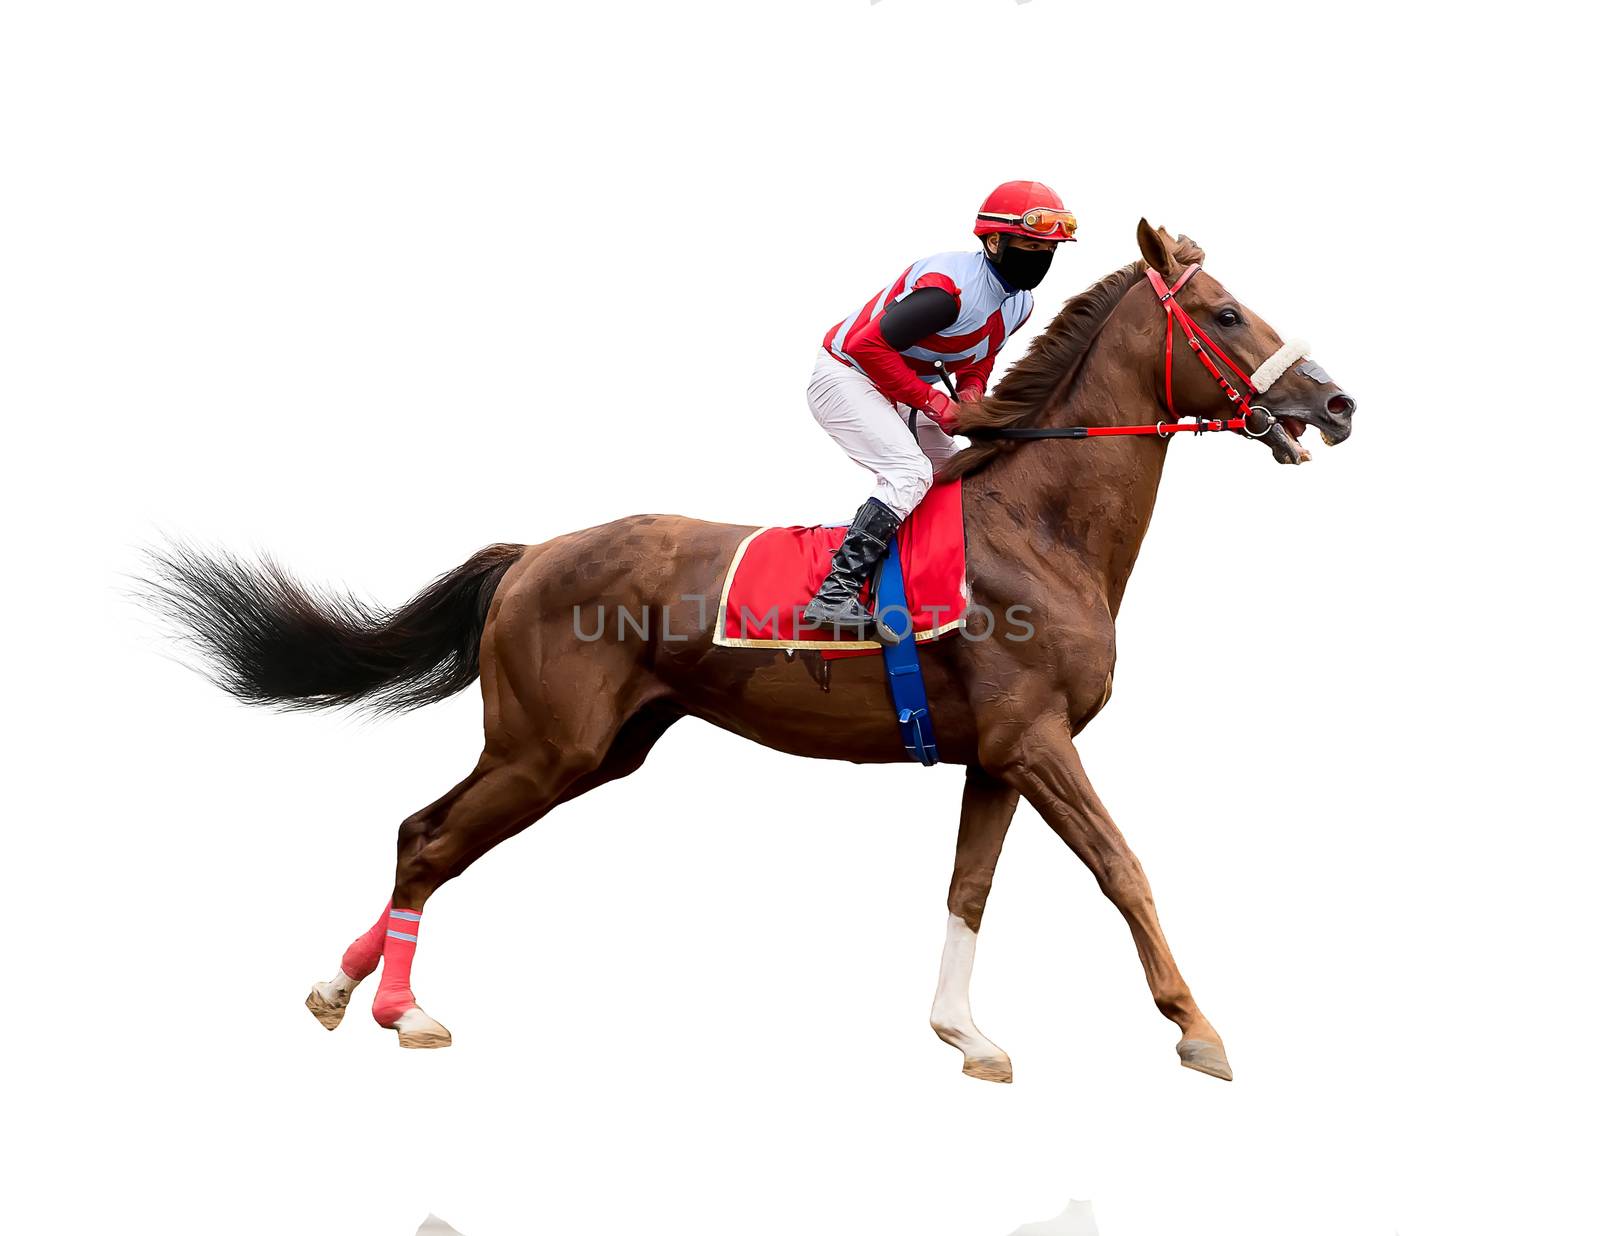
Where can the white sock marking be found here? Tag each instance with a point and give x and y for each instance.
(336, 991)
(952, 1003)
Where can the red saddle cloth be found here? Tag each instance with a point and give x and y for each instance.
(776, 571)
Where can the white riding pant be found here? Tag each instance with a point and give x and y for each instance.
(873, 432)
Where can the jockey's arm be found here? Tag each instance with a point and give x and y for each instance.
(972, 378)
(877, 344)
(927, 311)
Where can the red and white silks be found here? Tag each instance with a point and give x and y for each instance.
(989, 313)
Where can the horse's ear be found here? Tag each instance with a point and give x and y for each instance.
(1155, 246)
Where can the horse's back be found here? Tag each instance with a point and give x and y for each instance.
(618, 582)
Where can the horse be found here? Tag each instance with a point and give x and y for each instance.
(1054, 528)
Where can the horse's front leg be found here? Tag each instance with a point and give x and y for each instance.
(1041, 761)
(986, 810)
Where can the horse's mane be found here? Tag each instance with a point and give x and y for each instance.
(1052, 362)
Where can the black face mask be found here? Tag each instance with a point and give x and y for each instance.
(1023, 268)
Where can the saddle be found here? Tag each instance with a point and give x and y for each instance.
(919, 593)
(775, 571)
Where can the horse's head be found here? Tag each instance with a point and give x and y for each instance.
(1293, 388)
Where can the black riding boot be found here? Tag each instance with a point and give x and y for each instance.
(836, 603)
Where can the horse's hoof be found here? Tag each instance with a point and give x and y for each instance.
(988, 1068)
(417, 1029)
(1204, 1057)
(327, 1005)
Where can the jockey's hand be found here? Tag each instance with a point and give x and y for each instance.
(941, 410)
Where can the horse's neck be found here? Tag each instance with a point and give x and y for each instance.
(1085, 505)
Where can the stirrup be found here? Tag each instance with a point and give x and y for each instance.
(838, 621)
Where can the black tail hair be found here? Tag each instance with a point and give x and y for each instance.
(266, 638)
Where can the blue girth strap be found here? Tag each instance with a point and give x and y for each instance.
(903, 663)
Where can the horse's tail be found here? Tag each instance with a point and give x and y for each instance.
(265, 638)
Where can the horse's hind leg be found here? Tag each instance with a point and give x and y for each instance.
(328, 1001)
(438, 843)
(493, 803)
(987, 806)
(497, 801)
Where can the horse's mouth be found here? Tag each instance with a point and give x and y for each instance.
(1284, 436)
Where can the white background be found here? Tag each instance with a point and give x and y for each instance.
(372, 285)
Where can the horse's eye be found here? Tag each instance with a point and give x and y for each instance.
(1229, 317)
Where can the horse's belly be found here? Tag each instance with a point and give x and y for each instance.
(839, 710)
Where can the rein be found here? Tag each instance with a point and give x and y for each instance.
(1254, 422)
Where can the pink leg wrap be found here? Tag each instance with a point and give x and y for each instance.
(362, 957)
(399, 947)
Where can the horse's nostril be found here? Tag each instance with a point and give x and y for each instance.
(1341, 404)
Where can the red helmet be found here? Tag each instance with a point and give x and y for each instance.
(1025, 208)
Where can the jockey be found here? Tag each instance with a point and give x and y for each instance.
(876, 374)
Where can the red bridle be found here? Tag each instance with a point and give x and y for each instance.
(1203, 346)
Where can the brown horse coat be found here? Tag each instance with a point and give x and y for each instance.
(1054, 527)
